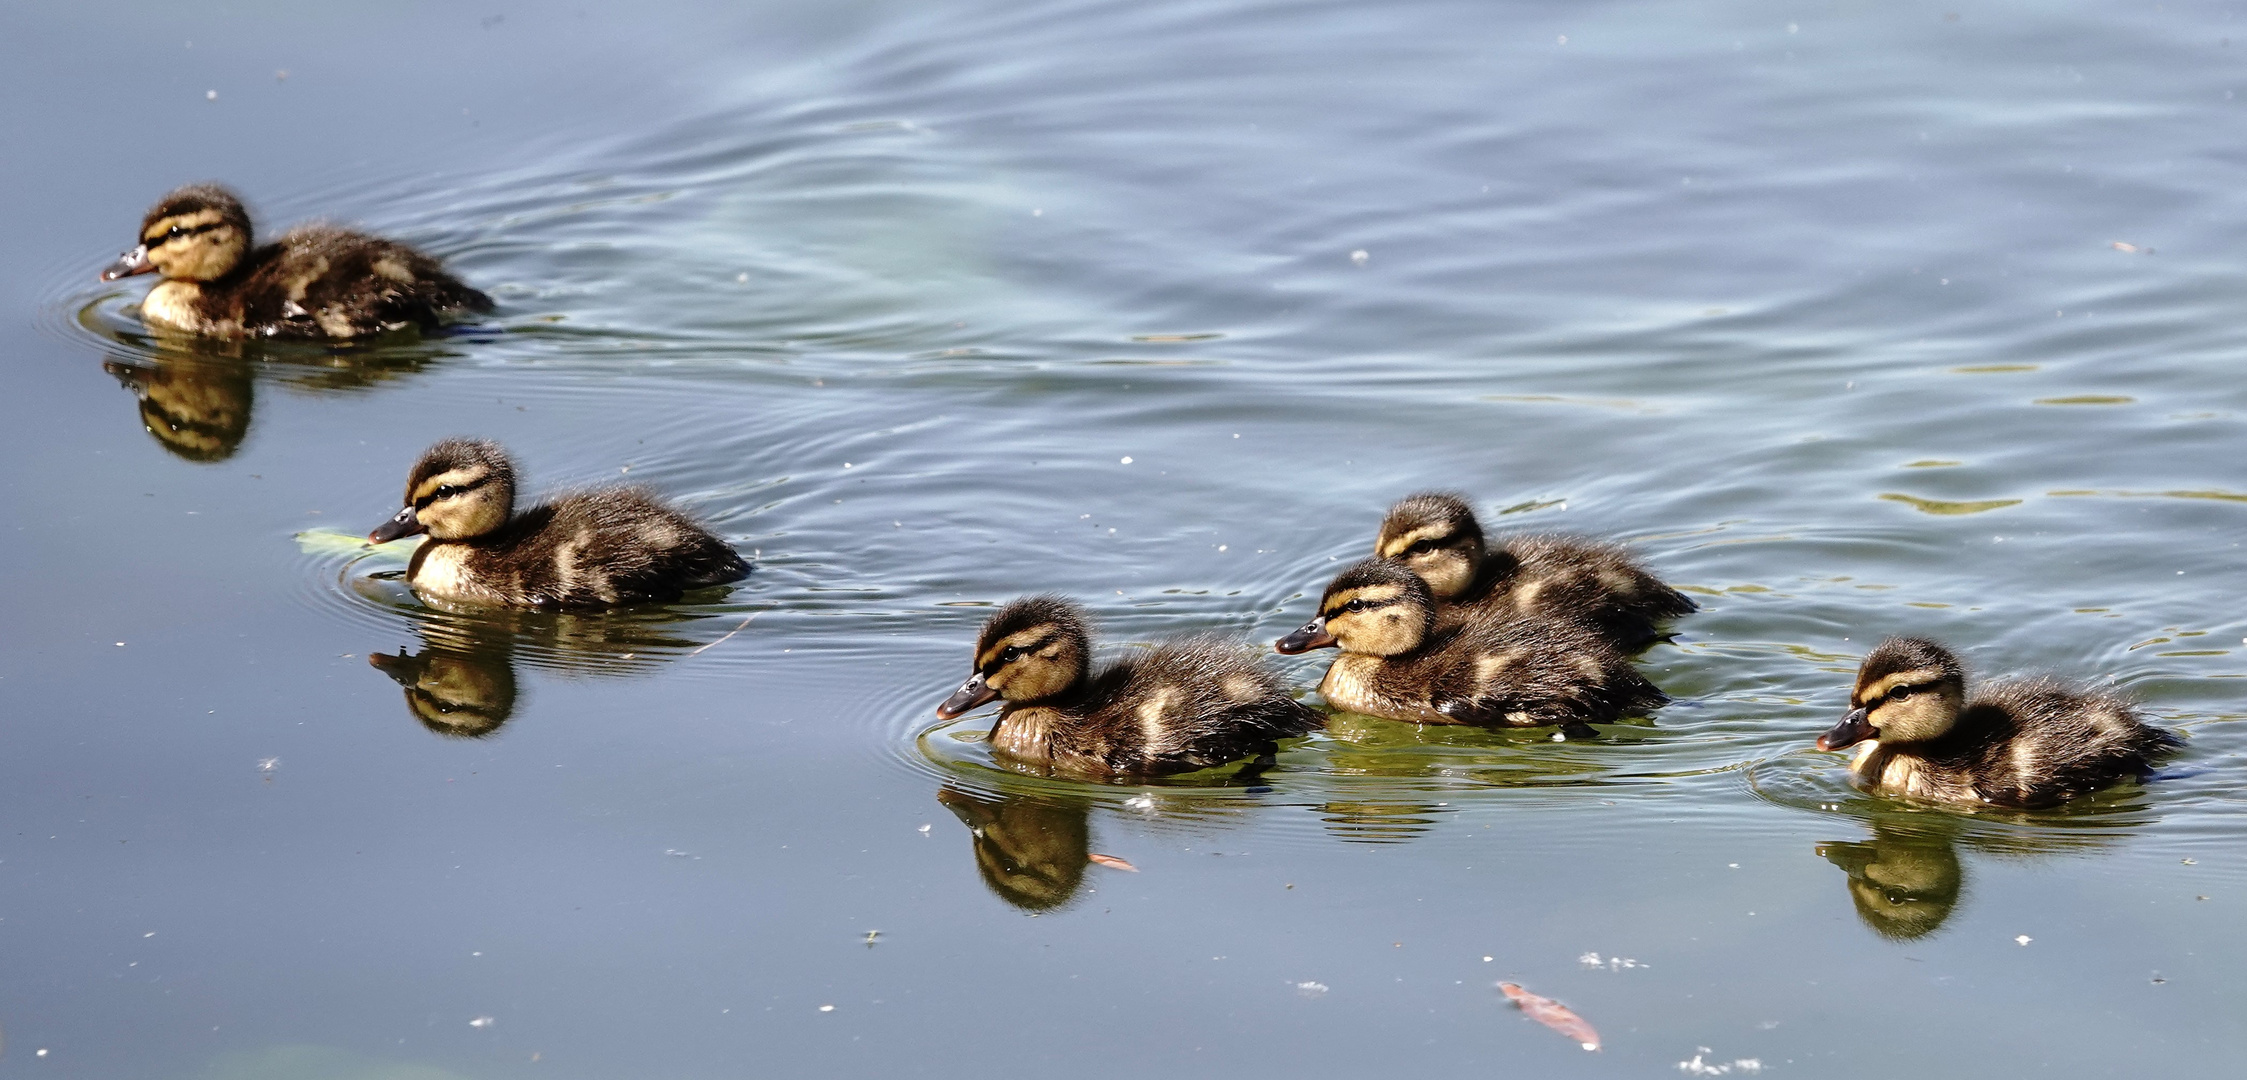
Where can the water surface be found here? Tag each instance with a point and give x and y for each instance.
(1854, 319)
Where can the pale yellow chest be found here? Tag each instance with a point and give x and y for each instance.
(1348, 684)
(172, 303)
(442, 570)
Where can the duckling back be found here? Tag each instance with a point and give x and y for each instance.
(1186, 704)
(1496, 669)
(591, 549)
(319, 281)
(2023, 743)
(1556, 576)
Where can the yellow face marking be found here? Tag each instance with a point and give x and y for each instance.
(1391, 548)
(196, 220)
(448, 478)
(1369, 595)
(1020, 639)
(1881, 687)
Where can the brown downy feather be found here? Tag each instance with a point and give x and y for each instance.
(1526, 575)
(1399, 661)
(1182, 705)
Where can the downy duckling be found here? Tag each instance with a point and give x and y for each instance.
(1186, 704)
(1435, 535)
(1492, 671)
(598, 548)
(316, 281)
(2022, 743)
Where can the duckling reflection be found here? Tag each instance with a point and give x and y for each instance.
(1904, 882)
(196, 407)
(1378, 822)
(459, 694)
(1030, 849)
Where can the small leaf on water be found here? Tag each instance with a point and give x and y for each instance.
(1112, 862)
(331, 542)
(1552, 1014)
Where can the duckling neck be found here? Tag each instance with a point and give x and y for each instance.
(1498, 567)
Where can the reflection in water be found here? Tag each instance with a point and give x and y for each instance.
(463, 694)
(1030, 849)
(196, 393)
(1908, 878)
(1378, 822)
(1904, 881)
(197, 407)
(462, 681)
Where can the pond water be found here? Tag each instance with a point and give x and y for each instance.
(1853, 318)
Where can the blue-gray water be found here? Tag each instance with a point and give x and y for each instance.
(1854, 318)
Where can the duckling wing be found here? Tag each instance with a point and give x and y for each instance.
(623, 545)
(2040, 741)
(1516, 672)
(1194, 704)
(321, 281)
(1576, 577)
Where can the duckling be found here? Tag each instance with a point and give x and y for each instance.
(598, 548)
(2022, 743)
(198, 408)
(1398, 662)
(1435, 535)
(1189, 703)
(1031, 850)
(316, 281)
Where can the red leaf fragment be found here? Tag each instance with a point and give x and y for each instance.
(1552, 1014)
(1112, 862)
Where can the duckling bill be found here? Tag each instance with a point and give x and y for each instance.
(1482, 668)
(2018, 743)
(590, 549)
(1544, 575)
(1186, 704)
(316, 281)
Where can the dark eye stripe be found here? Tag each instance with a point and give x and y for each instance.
(177, 233)
(460, 489)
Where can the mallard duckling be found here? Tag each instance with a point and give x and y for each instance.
(198, 408)
(1032, 851)
(1398, 662)
(316, 281)
(2023, 743)
(1185, 704)
(1548, 575)
(596, 548)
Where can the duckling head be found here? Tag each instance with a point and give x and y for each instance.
(198, 233)
(1908, 690)
(1377, 607)
(1435, 535)
(1031, 650)
(460, 488)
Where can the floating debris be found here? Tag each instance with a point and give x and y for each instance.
(482, 1022)
(1310, 989)
(2023, 940)
(1699, 1065)
(1612, 963)
(1552, 1014)
(268, 764)
(872, 936)
(1360, 257)
(1112, 863)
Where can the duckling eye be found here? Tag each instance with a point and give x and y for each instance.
(447, 491)
(1900, 693)
(1010, 654)
(1354, 605)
